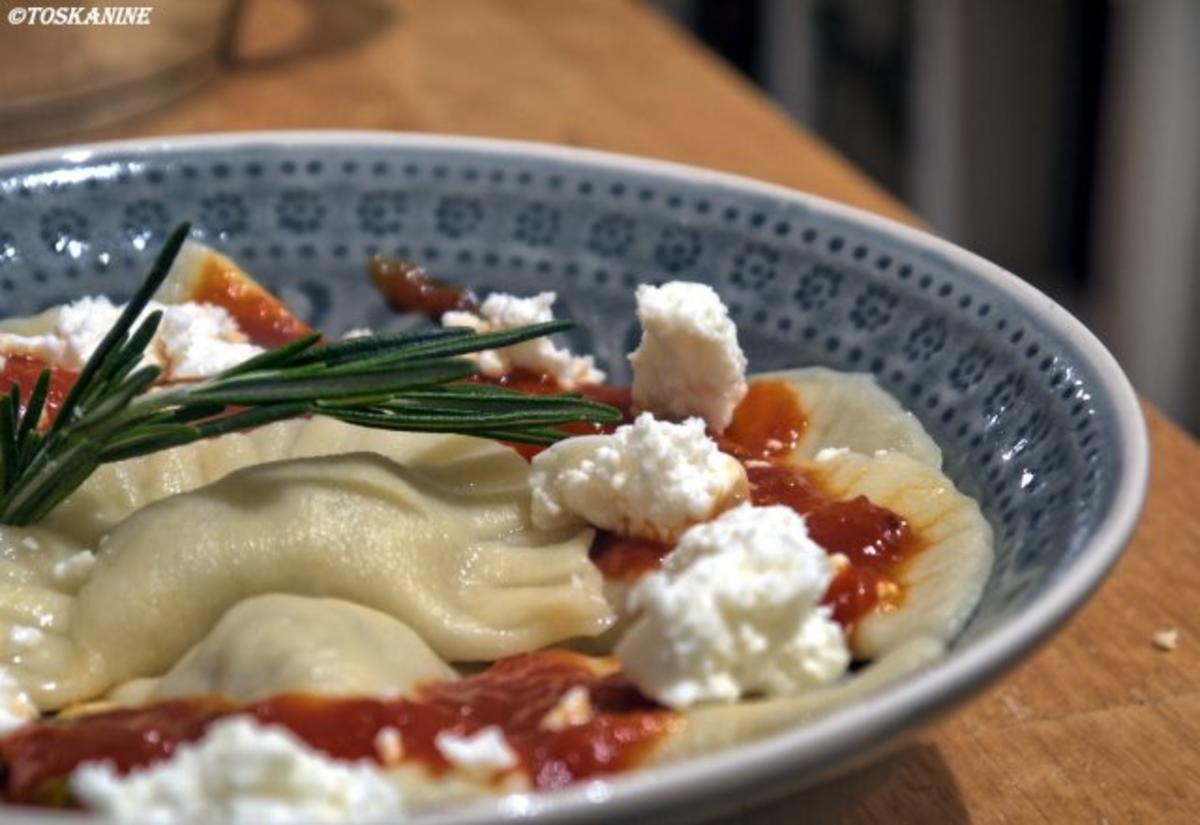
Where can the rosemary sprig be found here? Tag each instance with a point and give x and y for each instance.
(406, 381)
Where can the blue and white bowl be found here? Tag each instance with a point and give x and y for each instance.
(1035, 418)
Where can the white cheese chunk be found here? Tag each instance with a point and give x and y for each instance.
(200, 340)
(735, 611)
(573, 708)
(480, 754)
(46, 348)
(193, 340)
(652, 479)
(501, 312)
(83, 324)
(689, 361)
(241, 772)
(16, 708)
(1166, 640)
(389, 746)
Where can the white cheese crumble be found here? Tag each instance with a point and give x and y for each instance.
(389, 746)
(45, 348)
(652, 479)
(30, 543)
(480, 754)
(501, 312)
(1166, 640)
(733, 611)
(199, 340)
(193, 340)
(573, 708)
(241, 772)
(74, 570)
(16, 708)
(83, 324)
(689, 361)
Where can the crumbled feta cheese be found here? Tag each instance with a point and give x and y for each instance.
(20, 635)
(652, 479)
(389, 746)
(689, 361)
(734, 610)
(74, 570)
(240, 772)
(82, 325)
(1166, 639)
(500, 312)
(193, 340)
(30, 543)
(573, 708)
(200, 340)
(47, 348)
(481, 754)
(16, 708)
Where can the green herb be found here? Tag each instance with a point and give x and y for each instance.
(410, 381)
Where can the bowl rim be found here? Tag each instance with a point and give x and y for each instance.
(835, 739)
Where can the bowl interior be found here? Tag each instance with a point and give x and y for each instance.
(1034, 419)
(1013, 403)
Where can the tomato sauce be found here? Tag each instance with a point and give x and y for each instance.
(533, 382)
(262, 316)
(408, 288)
(514, 694)
(23, 371)
(875, 541)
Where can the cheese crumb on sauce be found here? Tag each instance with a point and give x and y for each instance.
(241, 772)
(502, 312)
(193, 340)
(47, 348)
(735, 611)
(651, 479)
(689, 362)
(481, 754)
(573, 708)
(389, 746)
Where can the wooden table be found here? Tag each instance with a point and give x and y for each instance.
(1099, 726)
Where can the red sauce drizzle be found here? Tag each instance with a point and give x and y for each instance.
(514, 693)
(23, 371)
(262, 316)
(408, 288)
(539, 383)
(766, 426)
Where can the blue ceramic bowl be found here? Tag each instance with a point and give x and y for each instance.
(1035, 418)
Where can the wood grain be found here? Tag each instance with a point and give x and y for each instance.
(1099, 726)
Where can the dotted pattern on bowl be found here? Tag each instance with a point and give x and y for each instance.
(1011, 406)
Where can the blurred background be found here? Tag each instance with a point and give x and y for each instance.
(1060, 139)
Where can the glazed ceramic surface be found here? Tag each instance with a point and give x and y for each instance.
(1033, 415)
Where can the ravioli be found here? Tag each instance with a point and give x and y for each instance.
(942, 583)
(272, 644)
(850, 410)
(442, 542)
(316, 557)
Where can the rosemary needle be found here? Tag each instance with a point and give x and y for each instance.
(410, 381)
